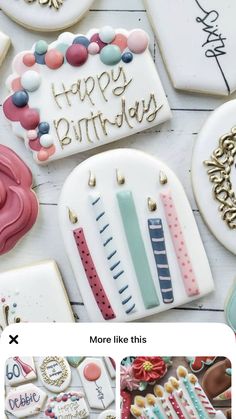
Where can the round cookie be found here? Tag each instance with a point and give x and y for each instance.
(18, 202)
(217, 379)
(214, 175)
(108, 414)
(46, 15)
(55, 373)
(200, 47)
(127, 196)
(94, 92)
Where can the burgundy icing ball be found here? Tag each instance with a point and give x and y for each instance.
(95, 38)
(77, 55)
(30, 119)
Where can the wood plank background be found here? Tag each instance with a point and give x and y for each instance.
(172, 142)
(75, 385)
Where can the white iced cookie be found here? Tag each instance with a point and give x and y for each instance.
(26, 295)
(111, 366)
(67, 405)
(96, 383)
(214, 174)
(198, 41)
(83, 91)
(5, 43)
(55, 373)
(20, 370)
(118, 198)
(108, 414)
(24, 401)
(45, 15)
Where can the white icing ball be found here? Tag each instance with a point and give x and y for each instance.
(46, 140)
(30, 80)
(107, 34)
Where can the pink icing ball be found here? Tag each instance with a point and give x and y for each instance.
(93, 48)
(16, 84)
(121, 41)
(77, 55)
(95, 38)
(29, 60)
(30, 119)
(32, 134)
(54, 59)
(92, 371)
(138, 41)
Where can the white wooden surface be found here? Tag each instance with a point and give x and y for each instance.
(172, 142)
(75, 385)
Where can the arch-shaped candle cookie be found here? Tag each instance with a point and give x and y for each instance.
(136, 269)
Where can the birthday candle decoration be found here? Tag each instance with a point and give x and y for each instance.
(159, 250)
(90, 271)
(155, 409)
(178, 392)
(111, 253)
(202, 396)
(186, 268)
(174, 403)
(189, 386)
(137, 248)
(160, 394)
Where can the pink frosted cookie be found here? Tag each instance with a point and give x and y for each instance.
(18, 203)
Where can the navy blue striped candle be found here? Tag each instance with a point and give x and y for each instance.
(159, 250)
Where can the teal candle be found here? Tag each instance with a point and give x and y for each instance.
(137, 249)
(196, 402)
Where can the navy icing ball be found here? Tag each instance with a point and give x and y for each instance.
(127, 57)
(20, 98)
(82, 40)
(44, 127)
(39, 58)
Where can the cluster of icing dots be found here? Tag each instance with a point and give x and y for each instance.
(112, 48)
(73, 397)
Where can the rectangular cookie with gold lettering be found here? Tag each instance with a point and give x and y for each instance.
(83, 91)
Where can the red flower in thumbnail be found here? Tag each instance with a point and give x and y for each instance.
(149, 368)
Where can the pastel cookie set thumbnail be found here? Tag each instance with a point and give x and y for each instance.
(180, 395)
(57, 387)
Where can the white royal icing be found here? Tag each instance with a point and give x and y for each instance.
(197, 39)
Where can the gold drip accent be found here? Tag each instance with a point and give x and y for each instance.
(152, 206)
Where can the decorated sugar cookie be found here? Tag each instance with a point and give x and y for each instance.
(5, 43)
(96, 383)
(18, 203)
(55, 373)
(230, 307)
(197, 363)
(94, 89)
(214, 175)
(24, 401)
(74, 361)
(26, 295)
(217, 379)
(199, 48)
(45, 15)
(67, 405)
(111, 366)
(108, 414)
(20, 370)
(181, 397)
(119, 198)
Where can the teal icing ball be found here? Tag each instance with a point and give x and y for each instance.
(41, 47)
(110, 55)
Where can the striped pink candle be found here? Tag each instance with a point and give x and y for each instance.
(185, 265)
